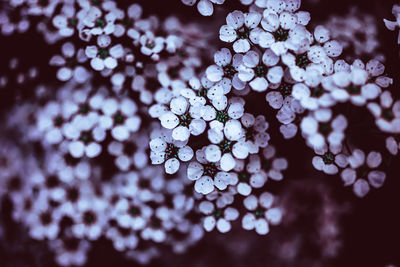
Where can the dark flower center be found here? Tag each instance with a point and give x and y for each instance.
(181, 53)
(243, 33)
(260, 70)
(96, 2)
(218, 213)
(102, 53)
(173, 73)
(86, 137)
(70, 160)
(285, 89)
(222, 116)
(45, 218)
(100, 23)
(58, 121)
(353, 89)
(185, 120)
(281, 34)
(249, 133)
(72, 194)
(27, 204)
(328, 158)
(363, 171)
(302, 60)
(202, 92)
(171, 151)
(229, 71)
(84, 109)
(317, 91)
(155, 223)
(119, 118)
(144, 183)
(114, 199)
(244, 177)
(387, 114)
(124, 231)
(89, 217)
(70, 62)
(150, 44)
(134, 211)
(210, 170)
(259, 212)
(226, 146)
(72, 22)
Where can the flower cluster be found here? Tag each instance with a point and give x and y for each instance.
(150, 134)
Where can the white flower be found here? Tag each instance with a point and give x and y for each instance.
(131, 214)
(262, 213)
(67, 21)
(289, 111)
(82, 130)
(313, 96)
(88, 220)
(42, 220)
(50, 122)
(330, 160)
(319, 127)
(241, 29)
(171, 72)
(37, 8)
(255, 132)
(219, 217)
(70, 251)
(279, 92)
(85, 145)
(226, 68)
(273, 165)
(96, 22)
(205, 7)
(120, 117)
(183, 119)
(359, 85)
(284, 30)
(151, 45)
(387, 113)
(259, 73)
(362, 172)
(69, 64)
(127, 21)
(209, 175)
(164, 149)
(130, 152)
(249, 175)
(103, 57)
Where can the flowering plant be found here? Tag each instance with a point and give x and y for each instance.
(147, 133)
